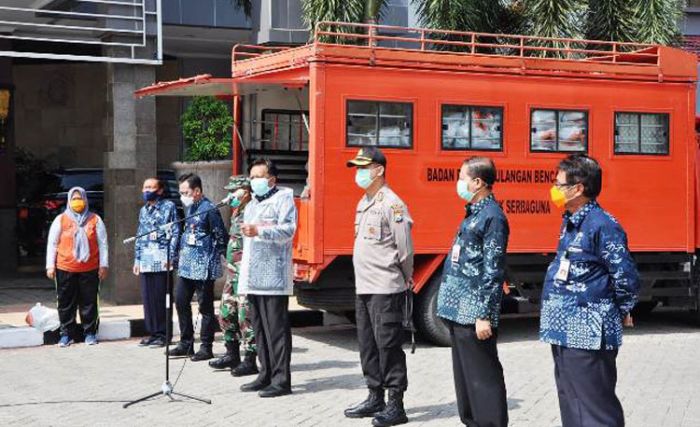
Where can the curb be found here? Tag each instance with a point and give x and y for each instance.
(113, 330)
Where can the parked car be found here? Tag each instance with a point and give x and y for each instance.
(34, 218)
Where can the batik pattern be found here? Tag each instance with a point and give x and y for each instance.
(472, 283)
(585, 310)
(202, 243)
(151, 251)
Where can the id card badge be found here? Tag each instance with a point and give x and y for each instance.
(153, 236)
(564, 266)
(191, 240)
(456, 249)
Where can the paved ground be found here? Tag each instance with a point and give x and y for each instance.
(659, 382)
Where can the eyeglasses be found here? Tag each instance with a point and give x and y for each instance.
(564, 184)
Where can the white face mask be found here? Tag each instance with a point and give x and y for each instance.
(187, 201)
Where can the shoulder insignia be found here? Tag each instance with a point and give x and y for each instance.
(398, 212)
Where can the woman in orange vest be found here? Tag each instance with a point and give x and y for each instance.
(77, 259)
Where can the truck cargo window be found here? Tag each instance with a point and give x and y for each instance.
(559, 131)
(383, 124)
(641, 133)
(472, 128)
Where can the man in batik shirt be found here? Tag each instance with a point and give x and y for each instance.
(589, 291)
(233, 309)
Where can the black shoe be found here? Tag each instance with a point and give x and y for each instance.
(394, 413)
(182, 350)
(247, 367)
(370, 407)
(146, 341)
(231, 359)
(204, 353)
(256, 385)
(274, 391)
(157, 342)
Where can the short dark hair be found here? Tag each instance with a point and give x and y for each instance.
(159, 183)
(271, 166)
(483, 168)
(581, 169)
(193, 180)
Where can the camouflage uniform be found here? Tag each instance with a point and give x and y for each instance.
(233, 311)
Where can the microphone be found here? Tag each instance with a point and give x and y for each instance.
(238, 194)
(129, 240)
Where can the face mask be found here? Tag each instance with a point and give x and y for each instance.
(558, 197)
(463, 191)
(363, 178)
(77, 205)
(187, 201)
(149, 196)
(234, 203)
(260, 186)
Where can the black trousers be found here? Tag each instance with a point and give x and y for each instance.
(273, 337)
(586, 382)
(380, 336)
(186, 288)
(153, 291)
(78, 291)
(478, 376)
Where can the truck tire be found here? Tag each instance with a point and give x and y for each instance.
(429, 325)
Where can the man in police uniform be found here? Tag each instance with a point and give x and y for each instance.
(383, 263)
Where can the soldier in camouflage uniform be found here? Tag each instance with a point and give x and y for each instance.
(233, 311)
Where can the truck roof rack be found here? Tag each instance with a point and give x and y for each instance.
(387, 45)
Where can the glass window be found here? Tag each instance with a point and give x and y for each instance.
(284, 130)
(641, 133)
(471, 128)
(384, 124)
(559, 130)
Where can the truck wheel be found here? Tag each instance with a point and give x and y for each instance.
(430, 326)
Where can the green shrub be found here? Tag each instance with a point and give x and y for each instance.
(206, 128)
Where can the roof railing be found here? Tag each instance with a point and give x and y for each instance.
(393, 37)
(484, 44)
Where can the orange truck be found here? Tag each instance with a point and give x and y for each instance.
(432, 98)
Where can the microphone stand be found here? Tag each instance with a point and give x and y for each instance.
(167, 389)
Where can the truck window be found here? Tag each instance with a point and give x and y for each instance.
(641, 133)
(384, 124)
(284, 130)
(559, 130)
(472, 128)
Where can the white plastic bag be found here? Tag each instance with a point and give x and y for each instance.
(42, 318)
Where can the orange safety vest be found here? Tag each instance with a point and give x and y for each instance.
(65, 260)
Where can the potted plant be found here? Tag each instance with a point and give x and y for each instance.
(206, 127)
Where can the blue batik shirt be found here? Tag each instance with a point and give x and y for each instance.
(202, 243)
(584, 308)
(474, 271)
(151, 250)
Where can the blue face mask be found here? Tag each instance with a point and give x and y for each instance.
(363, 178)
(260, 186)
(149, 196)
(234, 203)
(463, 191)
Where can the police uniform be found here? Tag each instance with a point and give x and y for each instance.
(383, 266)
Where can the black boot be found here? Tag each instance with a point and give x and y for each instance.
(370, 407)
(204, 353)
(231, 359)
(394, 413)
(182, 350)
(247, 367)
